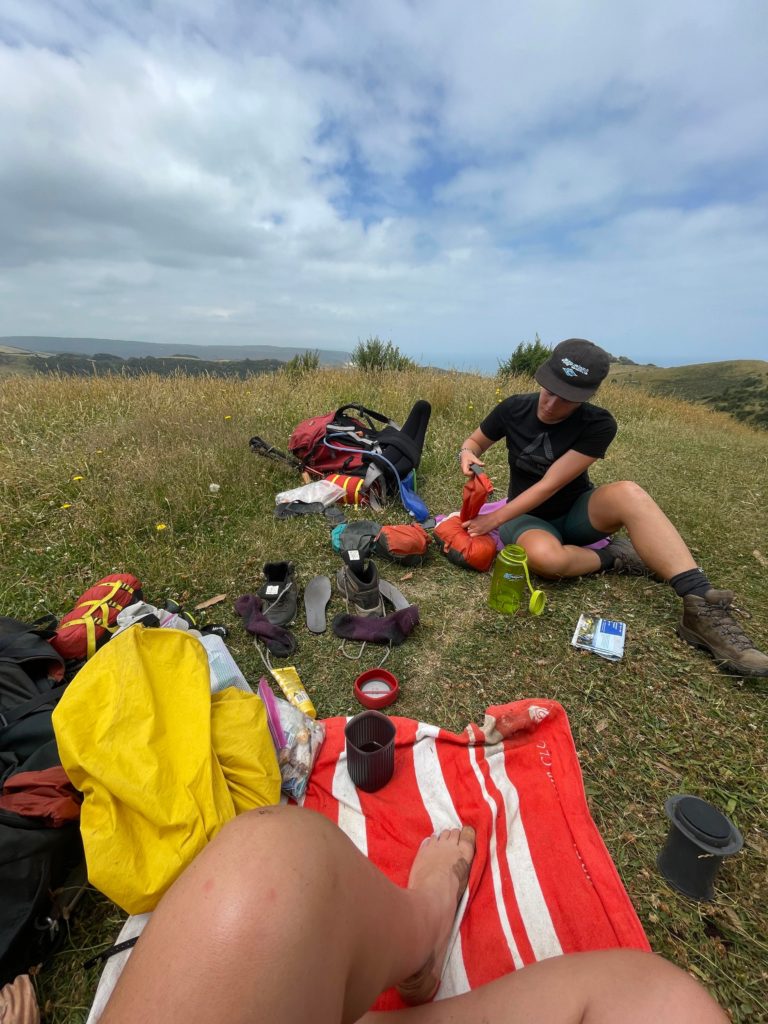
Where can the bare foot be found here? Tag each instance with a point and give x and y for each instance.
(441, 872)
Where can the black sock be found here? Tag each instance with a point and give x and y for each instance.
(606, 557)
(692, 581)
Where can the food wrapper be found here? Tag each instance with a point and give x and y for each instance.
(604, 637)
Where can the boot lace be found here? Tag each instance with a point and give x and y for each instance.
(722, 620)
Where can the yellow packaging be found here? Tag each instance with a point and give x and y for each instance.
(289, 682)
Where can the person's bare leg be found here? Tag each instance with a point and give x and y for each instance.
(548, 558)
(611, 507)
(655, 539)
(581, 988)
(281, 919)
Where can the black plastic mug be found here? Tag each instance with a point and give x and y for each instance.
(370, 740)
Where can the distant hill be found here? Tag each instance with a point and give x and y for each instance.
(127, 349)
(736, 386)
(103, 364)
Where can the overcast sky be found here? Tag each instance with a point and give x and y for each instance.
(452, 176)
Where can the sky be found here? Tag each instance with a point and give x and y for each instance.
(449, 176)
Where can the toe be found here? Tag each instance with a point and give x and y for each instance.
(468, 835)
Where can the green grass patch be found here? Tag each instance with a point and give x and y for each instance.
(660, 722)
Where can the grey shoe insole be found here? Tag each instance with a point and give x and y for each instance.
(317, 594)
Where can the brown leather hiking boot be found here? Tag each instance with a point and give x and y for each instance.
(708, 624)
(358, 581)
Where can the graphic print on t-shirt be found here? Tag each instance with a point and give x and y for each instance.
(537, 457)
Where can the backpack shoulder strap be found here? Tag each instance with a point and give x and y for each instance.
(369, 414)
(40, 700)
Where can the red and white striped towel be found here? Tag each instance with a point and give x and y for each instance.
(542, 881)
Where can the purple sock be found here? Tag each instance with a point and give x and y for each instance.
(394, 628)
(279, 641)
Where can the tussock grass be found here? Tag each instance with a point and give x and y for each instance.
(660, 722)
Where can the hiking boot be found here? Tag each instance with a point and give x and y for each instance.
(358, 581)
(708, 624)
(625, 559)
(279, 593)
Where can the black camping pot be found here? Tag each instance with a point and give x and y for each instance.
(698, 841)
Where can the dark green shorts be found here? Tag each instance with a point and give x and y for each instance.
(572, 528)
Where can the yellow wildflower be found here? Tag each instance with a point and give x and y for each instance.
(161, 526)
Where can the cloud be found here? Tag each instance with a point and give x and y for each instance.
(453, 177)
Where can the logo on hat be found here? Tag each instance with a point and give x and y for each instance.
(573, 369)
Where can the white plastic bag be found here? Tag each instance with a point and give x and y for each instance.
(320, 490)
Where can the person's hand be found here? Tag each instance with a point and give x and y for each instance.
(481, 525)
(467, 459)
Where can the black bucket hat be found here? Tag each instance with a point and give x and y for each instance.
(575, 370)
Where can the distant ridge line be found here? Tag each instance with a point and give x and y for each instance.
(44, 345)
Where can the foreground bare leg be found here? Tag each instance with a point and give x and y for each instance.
(281, 919)
(611, 987)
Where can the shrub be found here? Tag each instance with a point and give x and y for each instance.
(301, 363)
(375, 354)
(527, 358)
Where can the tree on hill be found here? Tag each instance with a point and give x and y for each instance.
(526, 359)
(302, 363)
(374, 354)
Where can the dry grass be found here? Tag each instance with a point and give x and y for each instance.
(660, 722)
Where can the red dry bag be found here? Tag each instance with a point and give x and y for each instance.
(476, 553)
(93, 619)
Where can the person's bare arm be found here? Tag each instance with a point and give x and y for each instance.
(472, 449)
(560, 473)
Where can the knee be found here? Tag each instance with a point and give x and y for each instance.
(260, 859)
(667, 991)
(546, 558)
(628, 494)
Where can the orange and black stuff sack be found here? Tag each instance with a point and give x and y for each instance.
(94, 618)
(404, 544)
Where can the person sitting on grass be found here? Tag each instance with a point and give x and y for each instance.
(553, 509)
(281, 919)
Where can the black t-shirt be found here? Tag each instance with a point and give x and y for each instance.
(533, 446)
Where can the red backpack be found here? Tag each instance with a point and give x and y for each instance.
(307, 442)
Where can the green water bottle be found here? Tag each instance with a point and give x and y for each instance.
(511, 583)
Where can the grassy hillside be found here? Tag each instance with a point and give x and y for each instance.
(738, 387)
(91, 467)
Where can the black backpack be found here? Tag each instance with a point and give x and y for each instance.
(35, 859)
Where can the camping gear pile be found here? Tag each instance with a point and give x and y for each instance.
(127, 756)
(369, 463)
(129, 737)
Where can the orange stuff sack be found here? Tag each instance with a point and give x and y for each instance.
(94, 618)
(404, 544)
(476, 553)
